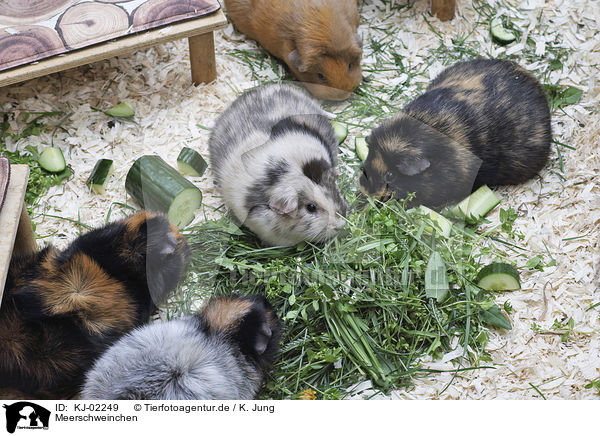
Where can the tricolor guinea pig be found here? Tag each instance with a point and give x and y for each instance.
(480, 122)
(61, 309)
(317, 39)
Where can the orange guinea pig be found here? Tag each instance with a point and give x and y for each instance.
(317, 39)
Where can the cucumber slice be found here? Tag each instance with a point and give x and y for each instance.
(123, 109)
(157, 186)
(361, 147)
(498, 277)
(442, 224)
(190, 163)
(52, 159)
(100, 175)
(499, 33)
(341, 130)
(477, 205)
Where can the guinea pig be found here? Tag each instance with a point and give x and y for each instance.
(219, 353)
(317, 39)
(273, 154)
(480, 122)
(61, 309)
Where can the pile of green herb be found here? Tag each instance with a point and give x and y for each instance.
(367, 305)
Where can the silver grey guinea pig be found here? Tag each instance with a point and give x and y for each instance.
(273, 154)
(220, 353)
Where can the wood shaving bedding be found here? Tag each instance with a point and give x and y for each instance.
(559, 213)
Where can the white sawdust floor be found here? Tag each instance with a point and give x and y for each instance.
(552, 210)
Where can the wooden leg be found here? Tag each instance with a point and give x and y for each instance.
(25, 242)
(444, 9)
(202, 58)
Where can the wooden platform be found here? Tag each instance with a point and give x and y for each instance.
(199, 31)
(17, 234)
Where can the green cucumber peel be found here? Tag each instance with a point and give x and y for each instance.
(121, 110)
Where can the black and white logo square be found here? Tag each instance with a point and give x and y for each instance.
(26, 415)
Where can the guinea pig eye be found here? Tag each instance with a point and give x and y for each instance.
(349, 67)
(388, 177)
(311, 207)
(321, 77)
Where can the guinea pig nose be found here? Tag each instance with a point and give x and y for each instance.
(363, 189)
(364, 174)
(386, 195)
(327, 92)
(338, 94)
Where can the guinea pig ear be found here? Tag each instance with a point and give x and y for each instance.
(412, 165)
(283, 200)
(251, 155)
(296, 61)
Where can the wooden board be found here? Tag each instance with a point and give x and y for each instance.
(10, 217)
(202, 58)
(443, 9)
(121, 46)
(32, 30)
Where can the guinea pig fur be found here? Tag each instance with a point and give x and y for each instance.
(273, 154)
(61, 309)
(479, 122)
(317, 39)
(220, 353)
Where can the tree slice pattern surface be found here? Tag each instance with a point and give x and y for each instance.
(21, 12)
(58, 26)
(26, 42)
(89, 23)
(160, 12)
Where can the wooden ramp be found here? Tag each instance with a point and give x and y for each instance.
(16, 235)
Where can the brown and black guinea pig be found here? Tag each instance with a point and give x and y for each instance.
(61, 309)
(317, 39)
(480, 122)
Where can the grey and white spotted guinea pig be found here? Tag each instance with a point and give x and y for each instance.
(273, 154)
(220, 353)
(480, 122)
